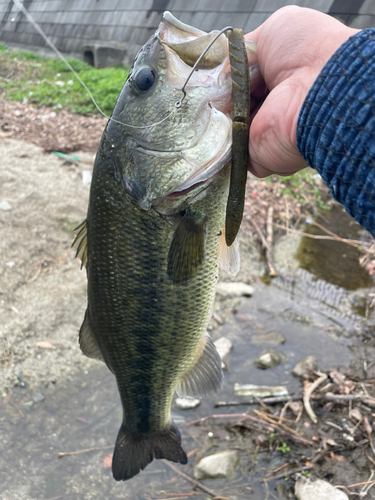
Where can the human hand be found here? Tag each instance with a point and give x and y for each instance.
(293, 46)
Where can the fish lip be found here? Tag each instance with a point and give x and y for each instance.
(186, 28)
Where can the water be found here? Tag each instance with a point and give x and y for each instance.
(333, 261)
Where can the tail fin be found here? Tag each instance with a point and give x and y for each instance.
(133, 453)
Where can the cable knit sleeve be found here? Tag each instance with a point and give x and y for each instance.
(336, 127)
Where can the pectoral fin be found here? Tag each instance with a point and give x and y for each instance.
(87, 341)
(80, 242)
(186, 252)
(205, 375)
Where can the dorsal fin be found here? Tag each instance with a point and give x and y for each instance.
(80, 242)
(205, 375)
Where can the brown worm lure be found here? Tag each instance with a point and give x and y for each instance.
(240, 132)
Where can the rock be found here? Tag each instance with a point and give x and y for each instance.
(295, 407)
(223, 347)
(261, 391)
(311, 490)
(305, 367)
(222, 464)
(38, 397)
(5, 207)
(234, 289)
(269, 359)
(186, 403)
(273, 338)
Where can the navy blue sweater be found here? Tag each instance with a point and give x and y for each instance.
(336, 127)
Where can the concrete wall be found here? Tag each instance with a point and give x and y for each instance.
(113, 30)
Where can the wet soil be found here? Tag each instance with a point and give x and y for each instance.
(55, 400)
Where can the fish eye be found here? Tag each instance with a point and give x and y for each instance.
(145, 78)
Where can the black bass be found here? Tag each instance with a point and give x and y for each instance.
(153, 237)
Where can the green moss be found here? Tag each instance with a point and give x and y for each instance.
(49, 82)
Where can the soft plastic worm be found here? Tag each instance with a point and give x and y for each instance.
(241, 123)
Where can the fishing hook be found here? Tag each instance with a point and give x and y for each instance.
(178, 103)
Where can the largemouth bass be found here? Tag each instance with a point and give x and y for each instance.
(153, 237)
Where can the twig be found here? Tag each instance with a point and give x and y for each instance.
(78, 452)
(283, 426)
(291, 473)
(267, 490)
(369, 458)
(268, 401)
(363, 245)
(269, 253)
(307, 393)
(194, 482)
(273, 425)
(369, 432)
(265, 246)
(346, 397)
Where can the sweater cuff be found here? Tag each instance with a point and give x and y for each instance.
(336, 126)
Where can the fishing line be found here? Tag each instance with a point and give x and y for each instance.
(178, 103)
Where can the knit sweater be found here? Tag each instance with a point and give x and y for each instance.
(336, 126)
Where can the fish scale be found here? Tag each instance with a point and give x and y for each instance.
(134, 308)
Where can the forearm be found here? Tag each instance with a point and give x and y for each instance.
(336, 127)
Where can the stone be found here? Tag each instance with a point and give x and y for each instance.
(272, 338)
(223, 346)
(234, 289)
(186, 403)
(269, 359)
(5, 207)
(305, 367)
(311, 490)
(38, 397)
(222, 464)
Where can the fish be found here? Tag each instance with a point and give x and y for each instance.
(154, 235)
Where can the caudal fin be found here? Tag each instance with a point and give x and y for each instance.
(133, 453)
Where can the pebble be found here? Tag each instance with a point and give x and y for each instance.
(5, 207)
(269, 359)
(311, 490)
(222, 464)
(274, 338)
(223, 346)
(305, 367)
(186, 403)
(234, 289)
(21, 381)
(38, 397)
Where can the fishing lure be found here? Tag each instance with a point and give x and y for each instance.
(240, 132)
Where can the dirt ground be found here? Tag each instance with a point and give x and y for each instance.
(42, 303)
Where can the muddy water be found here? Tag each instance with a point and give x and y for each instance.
(317, 317)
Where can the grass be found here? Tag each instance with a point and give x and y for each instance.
(28, 77)
(300, 186)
